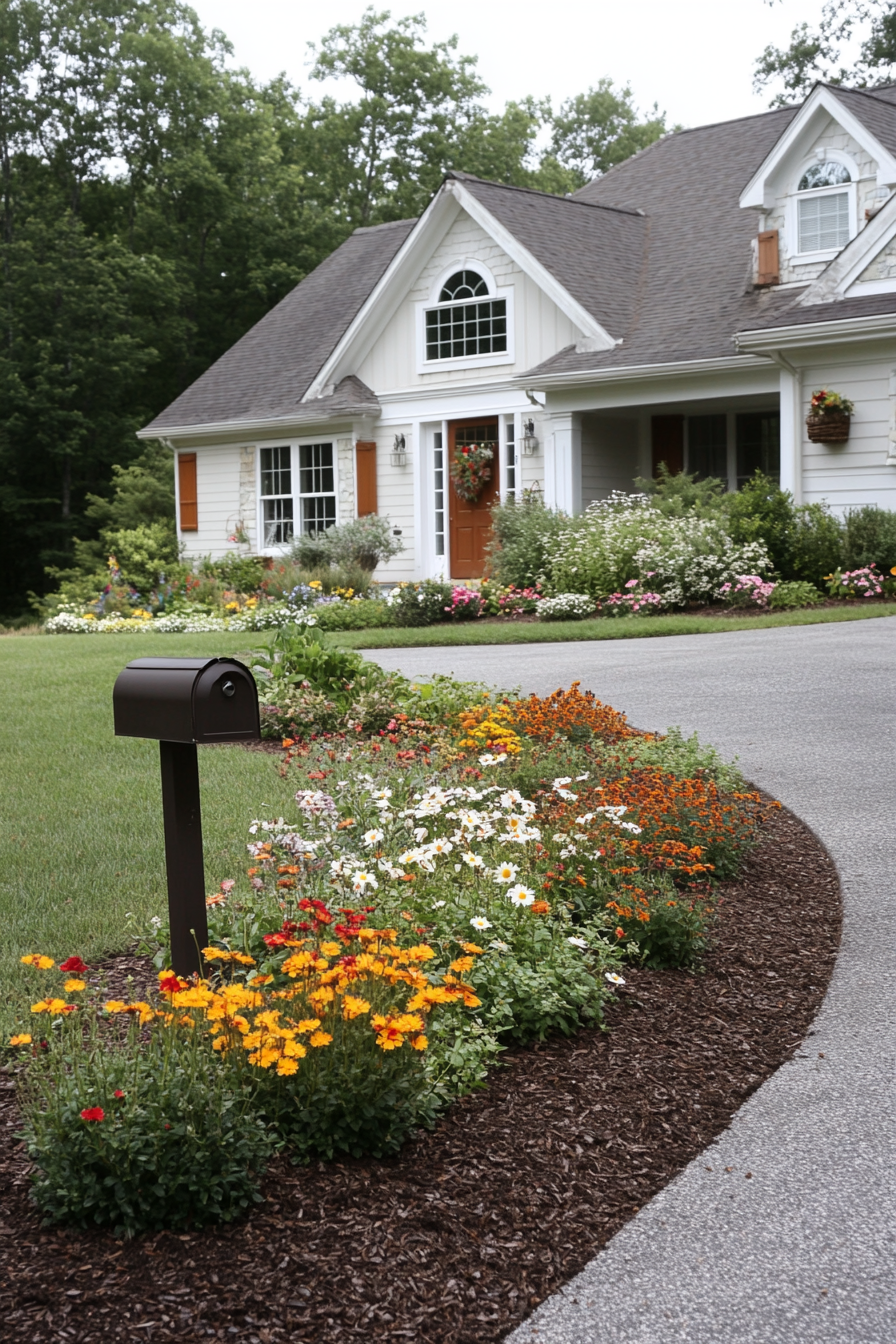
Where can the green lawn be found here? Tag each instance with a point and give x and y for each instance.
(82, 821)
(618, 627)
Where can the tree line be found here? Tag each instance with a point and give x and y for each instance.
(156, 201)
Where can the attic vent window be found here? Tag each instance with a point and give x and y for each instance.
(466, 321)
(822, 211)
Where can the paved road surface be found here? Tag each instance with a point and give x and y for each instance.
(804, 1252)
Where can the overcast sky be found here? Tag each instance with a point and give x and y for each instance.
(694, 57)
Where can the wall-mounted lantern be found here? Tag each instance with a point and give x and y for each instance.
(179, 702)
(399, 455)
(529, 442)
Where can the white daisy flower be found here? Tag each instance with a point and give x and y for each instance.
(372, 837)
(437, 905)
(561, 780)
(363, 880)
(381, 795)
(579, 778)
(488, 759)
(566, 794)
(577, 942)
(506, 872)
(480, 922)
(512, 798)
(440, 847)
(614, 979)
(473, 860)
(420, 833)
(520, 895)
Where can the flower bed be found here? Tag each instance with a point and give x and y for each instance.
(442, 888)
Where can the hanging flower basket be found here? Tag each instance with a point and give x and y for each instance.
(471, 470)
(828, 419)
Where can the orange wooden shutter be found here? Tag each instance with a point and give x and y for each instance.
(365, 477)
(768, 268)
(186, 485)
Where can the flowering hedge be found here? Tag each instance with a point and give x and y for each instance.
(436, 892)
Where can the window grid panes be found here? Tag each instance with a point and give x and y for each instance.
(276, 490)
(824, 222)
(466, 329)
(758, 445)
(510, 459)
(439, 493)
(708, 446)
(317, 486)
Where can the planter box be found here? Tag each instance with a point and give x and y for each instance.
(828, 427)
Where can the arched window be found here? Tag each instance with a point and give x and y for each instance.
(466, 321)
(463, 285)
(823, 212)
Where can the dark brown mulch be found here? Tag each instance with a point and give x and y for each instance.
(455, 1241)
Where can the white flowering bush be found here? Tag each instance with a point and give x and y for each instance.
(566, 607)
(625, 537)
(188, 620)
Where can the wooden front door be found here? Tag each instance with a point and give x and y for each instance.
(470, 525)
(667, 433)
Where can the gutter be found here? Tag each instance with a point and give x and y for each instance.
(626, 372)
(767, 339)
(241, 428)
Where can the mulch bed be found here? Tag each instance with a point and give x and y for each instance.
(517, 1188)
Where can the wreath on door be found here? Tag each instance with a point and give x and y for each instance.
(471, 469)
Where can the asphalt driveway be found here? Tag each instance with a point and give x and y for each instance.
(803, 1252)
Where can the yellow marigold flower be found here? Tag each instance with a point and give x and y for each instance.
(197, 997)
(220, 1043)
(462, 964)
(298, 962)
(36, 959)
(261, 979)
(295, 1050)
(52, 1006)
(115, 1006)
(419, 1042)
(331, 949)
(287, 1066)
(422, 952)
(22, 1039)
(320, 1038)
(408, 1022)
(321, 997)
(308, 1024)
(73, 986)
(473, 949)
(353, 1007)
(270, 1018)
(252, 1039)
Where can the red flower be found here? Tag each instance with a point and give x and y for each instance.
(169, 984)
(118, 1094)
(74, 964)
(93, 1113)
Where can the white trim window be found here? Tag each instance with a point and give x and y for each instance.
(276, 496)
(824, 208)
(468, 321)
(317, 486)
(439, 487)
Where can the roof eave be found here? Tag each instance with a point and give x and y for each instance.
(626, 372)
(824, 332)
(258, 425)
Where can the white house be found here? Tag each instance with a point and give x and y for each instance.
(682, 308)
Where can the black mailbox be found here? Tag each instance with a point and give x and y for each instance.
(182, 701)
(186, 700)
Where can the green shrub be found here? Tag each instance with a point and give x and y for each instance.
(364, 615)
(143, 553)
(415, 604)
(524, 534)
(685, 758)
(678, 494)
(237, 573)
(789, 596)
(762, 512)
(177, 1144)
(869, 538)
(363, 543)
(816, 544)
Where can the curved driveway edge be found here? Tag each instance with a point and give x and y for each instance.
(802, 1252)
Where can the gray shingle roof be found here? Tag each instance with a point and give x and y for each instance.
(874, 109)
(266, 374)
(596, 251)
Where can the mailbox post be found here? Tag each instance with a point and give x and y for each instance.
(180, 702)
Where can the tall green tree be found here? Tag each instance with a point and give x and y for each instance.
(819, 53)
(593, 131)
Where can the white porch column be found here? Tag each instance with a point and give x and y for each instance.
(563, 462)
(791, 396)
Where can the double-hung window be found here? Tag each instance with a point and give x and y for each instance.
(467, 321)
(276, 496)
(823, 212)
(298, 491)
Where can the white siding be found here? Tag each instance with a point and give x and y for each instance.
(225, 490)
(610, 456)
(854, 473)
(540, 328)
(395, 501)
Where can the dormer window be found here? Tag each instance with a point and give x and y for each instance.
(467, 321)
(823, 211)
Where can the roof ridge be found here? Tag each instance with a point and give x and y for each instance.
(388, 224)
(572, 199)
(866, 93)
